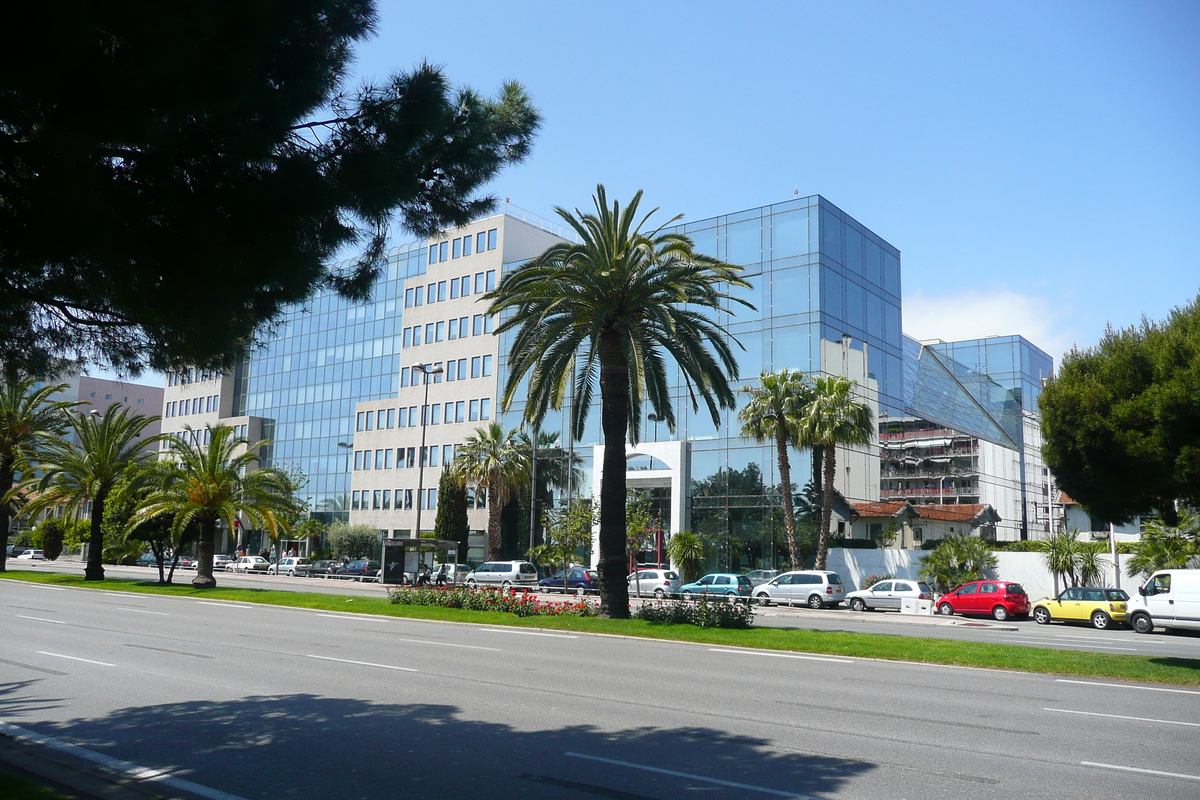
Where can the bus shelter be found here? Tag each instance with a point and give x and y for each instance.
(401, 556)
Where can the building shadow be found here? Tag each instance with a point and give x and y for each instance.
(307, 746)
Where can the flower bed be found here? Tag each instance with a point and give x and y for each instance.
(702, 612)
(523, 605)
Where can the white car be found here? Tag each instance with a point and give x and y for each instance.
(290, 566)
(32, 555)
(455, 573)
(248, 564)
(505, 574)
(809, 587)
(888, 594)
(657, 582)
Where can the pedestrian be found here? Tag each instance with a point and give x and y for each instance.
(441, 577)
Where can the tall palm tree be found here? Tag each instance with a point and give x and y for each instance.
(609, 311)
(73, 474)
(773, 415)
(833, 418)
(29, 421)
(496, 460)
(207, 483)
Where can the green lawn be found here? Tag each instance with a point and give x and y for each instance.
(1144, 669)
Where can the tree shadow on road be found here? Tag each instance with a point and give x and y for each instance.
(307, 746)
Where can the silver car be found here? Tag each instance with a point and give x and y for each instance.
(887, 595)
(760, 576)
(505, 574)
(657, 582)
(290, 566)
(809, 587)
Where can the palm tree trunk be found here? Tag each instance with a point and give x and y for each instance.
(204, 555)
(789, 512)
(830, 465)
(614, 423)
(94, 571)
(6, 482)
(495, 546)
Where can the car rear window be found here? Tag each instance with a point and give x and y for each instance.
(671, 576)
(744, 581)
(528, 568)
(1014, 588)
(835, 579)
(1117, 595)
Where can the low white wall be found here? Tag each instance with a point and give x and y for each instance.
(1027, 569)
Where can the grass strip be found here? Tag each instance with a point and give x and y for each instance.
(1022, 658)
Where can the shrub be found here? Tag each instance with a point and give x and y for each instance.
(873, 579)
(702, 612)
(51, 533)
(523, 605)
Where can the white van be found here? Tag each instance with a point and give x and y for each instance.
(1169, 599)
(505, 574)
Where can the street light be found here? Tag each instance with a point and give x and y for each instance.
(655, 418)
(426, 370)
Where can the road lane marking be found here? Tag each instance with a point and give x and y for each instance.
(143, 611)
(691, 777)
(76, 658)
(1122, 716)
(530, 633)
(1127, 686)
(448, 644)
(222, 605)
(362, 663)
(40, 619)
(115, 764)
(780, 655)
(44, 586)
(1142, 771)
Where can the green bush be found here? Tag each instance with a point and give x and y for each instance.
(523, 605)
(873, 579)
(702, 612)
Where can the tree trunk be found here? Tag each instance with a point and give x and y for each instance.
(204, 555)
(785, 481)
(614, 423)
(830, 465)
(6, 482)
(495, 508)
(94, 571)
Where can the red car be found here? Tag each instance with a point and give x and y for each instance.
(997, 599)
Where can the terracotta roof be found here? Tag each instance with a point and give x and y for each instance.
(954, 512)
(1066, 500)
(878, 509)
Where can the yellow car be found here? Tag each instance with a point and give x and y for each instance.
(1102, 607)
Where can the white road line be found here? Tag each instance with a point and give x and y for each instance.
(530, 633)
(1122, 716)
(222, 605)
(780, 655)
(41, 619)
(448, 644)
(43, 586)
(1142, 771)
(75, 658)
(1128, 686)
(143, 611)
(362, 663)
(116, 764)
(691, 777)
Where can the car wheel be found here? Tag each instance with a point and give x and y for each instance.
(1000, 613)
(946, 610)
(471, 584)
(764, 598)
(291, 573)
(1142, 623)
(1100, 620)
(659, 594)
(857, 604)
(687, 592)
(507, 586)
(815, 601)
(1041, 615)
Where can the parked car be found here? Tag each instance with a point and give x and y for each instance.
(32, 555)
(658, 582)
(1170, 598)
(760, 576)
(360, 570)
(997, 599)
(811, 587)
(887, 595)
(147, 560)
(324, 568)
(1102, 607)
(222, 561)
(291, 566)
(187, 562)
(505, 574)
(719, 583)
(455, 573)
(579, 581)
(248, 564)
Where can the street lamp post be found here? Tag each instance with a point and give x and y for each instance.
(426, 370)
(655, 418)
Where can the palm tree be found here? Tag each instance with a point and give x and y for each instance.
(773, 415)
(73, 474)
(496, 460)
(1165, 546)
(832, 418)
(957, 559)
(207, 483)
(29, 421)
(610, 310)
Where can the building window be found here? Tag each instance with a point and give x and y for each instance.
(433, 253)
(108, 397)
(466, 245)
(460, 411)
(387, 458)
(429, 333)
(452, 329)
(416, 339)
(391, 417)
(448, 416)
(406, 341)
(441, 291)
(354, 501)
(487, 366)
(456, 251)
(408, 499)
(474, 412)
(358, 459)
(451, 369)
(454, 289)
(379, 458)
(487, 323)
(358, 421)
(404, 375)
(465, 282)
(408, 298)
(370, 420)
(447, 453)
(485, 406)
(492, 239)
(439, 331)
(437, 376)
(433, 455)
(475, 366)
(480, 242)
(437, 412)
(92, 395)
(376, 499)
(420, 296)
(477, 325)
(491, 279)
(479, 278)
(412, 416)
(462, 327)
(387, 499)
(443, 251)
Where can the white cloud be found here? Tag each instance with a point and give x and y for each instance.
(974, 314)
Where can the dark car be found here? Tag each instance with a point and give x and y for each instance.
(324, 569)
(579, 581)
(997, 599)
(361, 570)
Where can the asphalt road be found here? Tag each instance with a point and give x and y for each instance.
(1117, 640)
(249, 701)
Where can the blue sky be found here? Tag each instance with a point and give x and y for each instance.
(1036, 163)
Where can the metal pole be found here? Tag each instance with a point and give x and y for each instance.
(1112, 546)
(533, 494)
(425, 371)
